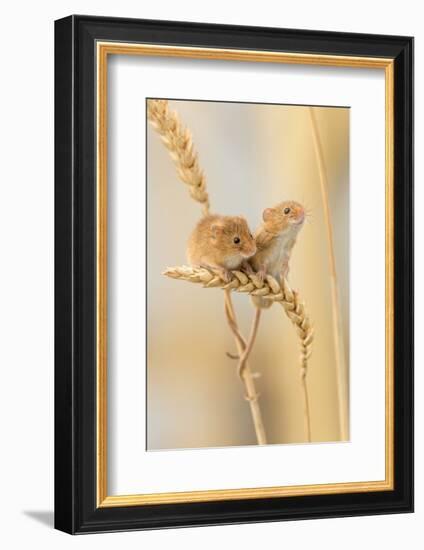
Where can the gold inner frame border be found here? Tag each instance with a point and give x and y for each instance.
(103, 50)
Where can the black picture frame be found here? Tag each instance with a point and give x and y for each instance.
(76, 510)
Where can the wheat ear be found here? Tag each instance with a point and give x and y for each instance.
(178, 140)
(342, 388)
(271, 289)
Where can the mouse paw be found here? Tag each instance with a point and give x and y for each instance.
(225, 274)
(261, 274)
(247, 268)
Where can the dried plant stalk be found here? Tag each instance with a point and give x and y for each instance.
(178, 141)
(271, 289)
(342, 388)
(244, 348)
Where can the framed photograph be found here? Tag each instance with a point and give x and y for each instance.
(234, 274)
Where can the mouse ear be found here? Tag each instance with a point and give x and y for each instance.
(216, 229)
(267, 213)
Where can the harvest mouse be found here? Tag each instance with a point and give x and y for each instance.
(222, 243)
(275, 239)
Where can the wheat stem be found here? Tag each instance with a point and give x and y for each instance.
(244, 348)
(306, 412)
(306, 409)
(178, 141)
(250, 343)
(341, 371)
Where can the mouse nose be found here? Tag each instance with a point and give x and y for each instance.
(248, 252)
(300, 214)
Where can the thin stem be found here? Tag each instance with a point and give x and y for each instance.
(178, 140)
(242, 347)
(306, 411)
(342, 388)
(244, 357)
(231, 318)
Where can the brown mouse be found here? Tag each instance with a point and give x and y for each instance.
(223, 243)
(275, 239)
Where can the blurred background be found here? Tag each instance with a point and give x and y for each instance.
(254, 156)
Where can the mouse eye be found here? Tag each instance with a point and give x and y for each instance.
(287, 210)
(236, 240)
